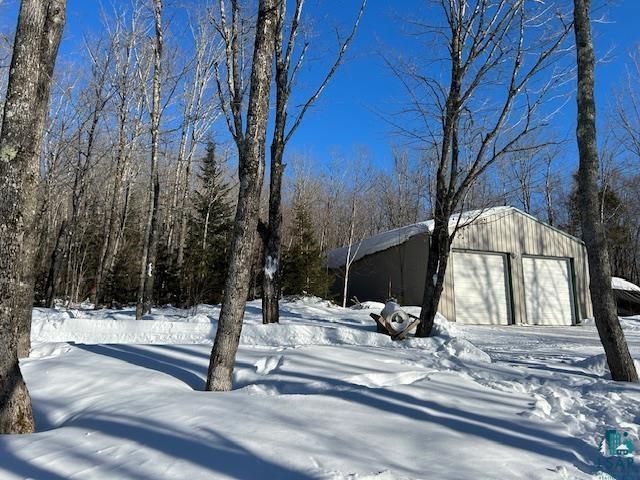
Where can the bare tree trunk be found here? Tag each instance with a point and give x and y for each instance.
(124, 43)
(183, 216)
(272, 238)
(271, 283)
(150, 246)
(472, 56)
(123, 222)
(437, 261)
(177, 183)
(183, 173)
(29, 247)
(26, 287)
(38, 34)
(153, 248)
(197, 122)
(54, 267)
(604, 308)
(251, 153)
(440, 241)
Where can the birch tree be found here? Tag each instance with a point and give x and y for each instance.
(38, 34)
(360, 184)
(615, 346)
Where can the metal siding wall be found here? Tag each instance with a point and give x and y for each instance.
(404, 265)
(446, 307)
(415, 266)
(518, 234)
(510, 232)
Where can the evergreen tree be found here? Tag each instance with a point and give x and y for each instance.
(167, 288)
(121, 282)
(209, 234)
(303, 269)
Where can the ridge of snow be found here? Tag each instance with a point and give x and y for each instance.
(382, 241)
(323, 324)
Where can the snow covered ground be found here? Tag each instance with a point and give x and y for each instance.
(320, 396)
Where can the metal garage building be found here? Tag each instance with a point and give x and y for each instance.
(506, 267)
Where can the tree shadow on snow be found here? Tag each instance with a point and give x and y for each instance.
(150, 358)
(11, 462)
(517, 433)
(200, 446)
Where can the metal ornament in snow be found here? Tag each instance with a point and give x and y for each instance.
(396, 318)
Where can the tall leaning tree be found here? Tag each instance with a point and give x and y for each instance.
(285, 80)
(38, 34)
(499, 65)
(593, 233)
(250, 143)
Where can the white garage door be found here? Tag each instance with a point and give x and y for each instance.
(480, 288)
(548, 291)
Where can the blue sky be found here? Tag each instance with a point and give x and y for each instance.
(347, 116)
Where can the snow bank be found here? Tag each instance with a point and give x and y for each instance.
(80, 330)
(304, 321)
(298, 335)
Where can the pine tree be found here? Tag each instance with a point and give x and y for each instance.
(208, 236)
(167, 289)
(303, 267)
(120, 282)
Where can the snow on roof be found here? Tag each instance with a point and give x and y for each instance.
(382, 241)
(618, 283)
